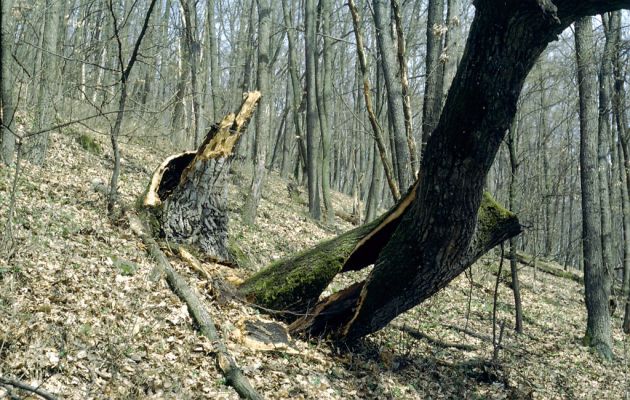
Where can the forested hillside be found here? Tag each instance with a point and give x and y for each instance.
(361, 199)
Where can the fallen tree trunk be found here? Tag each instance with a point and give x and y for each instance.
(188, 191)
(233, 375)
(419, 247)
(546, 267)
(295, 284)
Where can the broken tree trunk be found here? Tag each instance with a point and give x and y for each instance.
(188, 191)
(445, 227)
(295, 284)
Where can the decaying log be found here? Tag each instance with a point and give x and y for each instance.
(548, 268)
(188, 191)
(233, 375)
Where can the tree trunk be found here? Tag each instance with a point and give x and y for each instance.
(324, 96)
(596, 280)
(213, 58)
(404, 81)
(310, 49)
(516, 287)
(263, 118)
(433, 86)
(38, 146)
(296, 86)
(125, 71)
(441, 229)
(376, 127)
(623, 133)
(387, 51)
(192, 51)
(189, 190)
(7, 113)
(603, 152)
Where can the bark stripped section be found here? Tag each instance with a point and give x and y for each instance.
(190, 189)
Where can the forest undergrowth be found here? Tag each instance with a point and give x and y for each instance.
(80, 319)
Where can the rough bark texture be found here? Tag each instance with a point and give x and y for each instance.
(295, 284)
(596, 282)
(191, 189)
(387, 50)
(7, 120)
(440, 233)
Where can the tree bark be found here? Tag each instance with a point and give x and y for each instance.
(189, 190)
(310, 50)
(596, 280)
(434, 70)
(263, 118)
(376, 127)
(324, 96)
(603, 150)
(7, 112)
(387, 51)
(516, 288)
(442, 230)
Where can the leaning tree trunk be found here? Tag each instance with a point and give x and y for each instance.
(189, 190)
(442, 229)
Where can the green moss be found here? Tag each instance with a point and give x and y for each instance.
(237, 254)
(293, 283)
(89, 144)
(127, 268)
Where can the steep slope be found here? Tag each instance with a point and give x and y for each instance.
(79, 318)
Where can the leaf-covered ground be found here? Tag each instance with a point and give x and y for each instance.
(79, 318)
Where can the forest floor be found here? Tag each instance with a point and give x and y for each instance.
(80, 319)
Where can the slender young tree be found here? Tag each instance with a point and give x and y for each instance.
(516, 287)
(47, 83)
(213, 59)
(395, 109)
(7, 117)
(596, 280)
(125, 68)
(263, 117)
(324, 97)
(312, 119)
(434, 71)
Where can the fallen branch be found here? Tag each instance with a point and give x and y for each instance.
(233, 375)
(416, 334)
(548, 268)
(28, 388)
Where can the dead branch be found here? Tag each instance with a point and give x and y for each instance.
(28, 388)
(233, 375)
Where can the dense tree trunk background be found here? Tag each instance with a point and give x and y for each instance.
(366, 144)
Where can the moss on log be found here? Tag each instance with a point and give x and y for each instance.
(294, 284)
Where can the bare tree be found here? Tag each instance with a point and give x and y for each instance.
(596, 279)
(125, 68)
